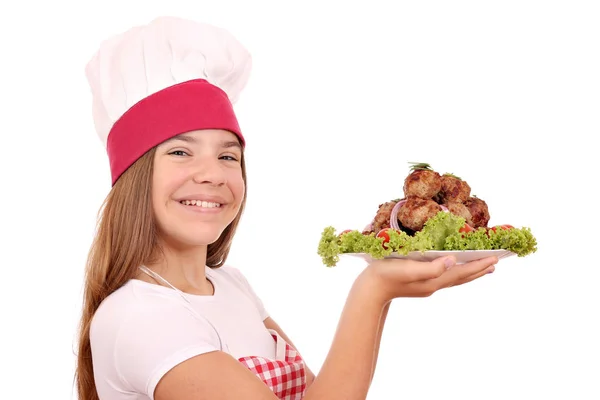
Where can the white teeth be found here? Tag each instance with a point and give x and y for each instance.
(200, 203)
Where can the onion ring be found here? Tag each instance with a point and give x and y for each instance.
(394, 215)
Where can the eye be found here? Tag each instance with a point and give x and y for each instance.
(228, 158)
(179, 153)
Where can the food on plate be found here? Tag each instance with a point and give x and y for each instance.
(461, 210)
(423, 183)
(382, 218)
(437, 212)
(453, 190)
(478, 209)
(426, 193)
(415, 211)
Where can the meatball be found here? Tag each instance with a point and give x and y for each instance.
(382, 218)
(416, 211)
(453, 190)
(422, 183)
(459, 209)
(480, 215)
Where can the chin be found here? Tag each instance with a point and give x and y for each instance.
(200, 238)
(191, 237)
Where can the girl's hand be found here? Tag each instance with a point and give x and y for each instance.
(395, 278)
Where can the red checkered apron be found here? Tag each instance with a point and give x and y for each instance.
(285, 375)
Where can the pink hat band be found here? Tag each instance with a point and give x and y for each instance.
(177, 109)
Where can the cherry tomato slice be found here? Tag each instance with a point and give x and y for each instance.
(384, 233)
(504, 227)
(466, 229)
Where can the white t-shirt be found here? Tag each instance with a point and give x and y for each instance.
(142, 330)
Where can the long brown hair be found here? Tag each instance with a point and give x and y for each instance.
(126, 238)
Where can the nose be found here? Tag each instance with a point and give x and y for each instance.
(209, 171)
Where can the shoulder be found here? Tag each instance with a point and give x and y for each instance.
(239, 280)
(141, 331)
(114, 311)
(139, 313)
(226, 270)
(133, 299)
(138, 306)
(232, 274)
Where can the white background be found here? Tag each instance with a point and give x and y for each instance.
(343, 95)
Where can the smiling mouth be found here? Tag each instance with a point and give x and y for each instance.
(200, 203)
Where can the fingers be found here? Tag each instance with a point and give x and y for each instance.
(463, 273)
(405, 278)
(474, 276)
(415, 271)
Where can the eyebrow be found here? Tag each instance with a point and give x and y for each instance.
(190, 139)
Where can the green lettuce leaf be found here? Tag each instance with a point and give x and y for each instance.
(439, 233)
(518, 240)
(329, 248)
(476, 240)
(441, 226)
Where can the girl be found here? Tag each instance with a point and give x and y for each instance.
(163, 316)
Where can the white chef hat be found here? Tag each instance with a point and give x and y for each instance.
(162, 79)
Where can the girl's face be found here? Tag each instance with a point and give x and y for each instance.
(197, 187)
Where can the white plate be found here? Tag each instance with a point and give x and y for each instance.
(462, 256)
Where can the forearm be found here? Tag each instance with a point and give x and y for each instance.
(348, 369)
(382, 319)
